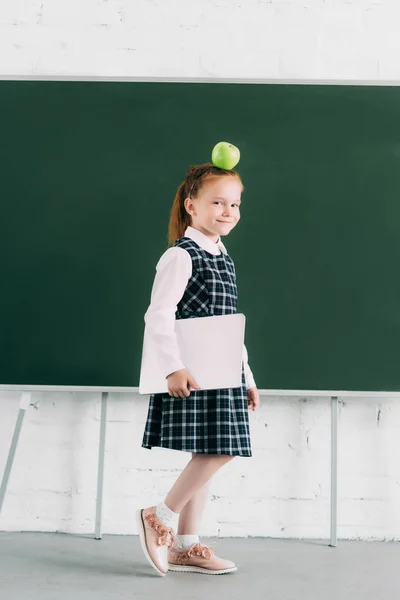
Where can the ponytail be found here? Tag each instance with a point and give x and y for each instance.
(180, 219)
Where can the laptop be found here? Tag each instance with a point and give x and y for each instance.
(211, 348)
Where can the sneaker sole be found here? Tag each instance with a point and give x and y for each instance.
(142, 537)
(189, 569)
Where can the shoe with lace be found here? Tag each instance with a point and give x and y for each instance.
(155, 539)
(198, 559)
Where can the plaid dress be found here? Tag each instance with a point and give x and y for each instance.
(208, 421)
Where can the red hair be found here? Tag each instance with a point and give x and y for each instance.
(195, 178)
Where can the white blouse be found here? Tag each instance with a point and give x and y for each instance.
(173, 272)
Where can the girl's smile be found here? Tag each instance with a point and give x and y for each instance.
(216, 209)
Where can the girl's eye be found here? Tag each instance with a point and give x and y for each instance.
(219, 202)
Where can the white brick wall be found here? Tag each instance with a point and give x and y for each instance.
(289, 39)
(283, 490)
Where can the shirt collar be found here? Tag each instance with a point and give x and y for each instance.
(204, 242)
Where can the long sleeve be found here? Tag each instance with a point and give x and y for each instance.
(173, 272)
(247, 371)
(248, 375)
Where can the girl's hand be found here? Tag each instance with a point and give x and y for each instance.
(180, 382)
(253, 398)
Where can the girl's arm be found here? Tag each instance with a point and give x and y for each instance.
(173, 271)
(247, 371)
(248, 375)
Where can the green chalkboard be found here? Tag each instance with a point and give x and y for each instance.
(88, 174)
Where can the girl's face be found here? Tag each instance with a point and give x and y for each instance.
(215, 211)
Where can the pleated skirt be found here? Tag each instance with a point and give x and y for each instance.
(206, 422)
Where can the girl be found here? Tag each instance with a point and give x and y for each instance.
(194, 278)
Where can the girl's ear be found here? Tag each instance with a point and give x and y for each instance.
(189, 205)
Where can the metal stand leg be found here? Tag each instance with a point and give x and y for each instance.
(334, 428)
(25, 401)
(100, 471)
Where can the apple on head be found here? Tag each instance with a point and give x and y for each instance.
(225, 155)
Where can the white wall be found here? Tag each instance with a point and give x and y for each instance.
(311, 39)
(283, 491)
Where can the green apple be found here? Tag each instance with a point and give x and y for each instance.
(225, 155)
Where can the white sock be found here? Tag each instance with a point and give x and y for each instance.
(167, 516)
(185, 541)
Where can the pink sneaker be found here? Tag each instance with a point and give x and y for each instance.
(199, 559)
(155, 539)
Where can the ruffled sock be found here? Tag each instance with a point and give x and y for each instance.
(183, 541)
(167, 516)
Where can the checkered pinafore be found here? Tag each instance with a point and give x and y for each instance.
(208, 421)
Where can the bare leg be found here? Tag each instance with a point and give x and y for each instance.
(194, 476)
(191, 514)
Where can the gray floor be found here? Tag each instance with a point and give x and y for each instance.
(49, 566)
